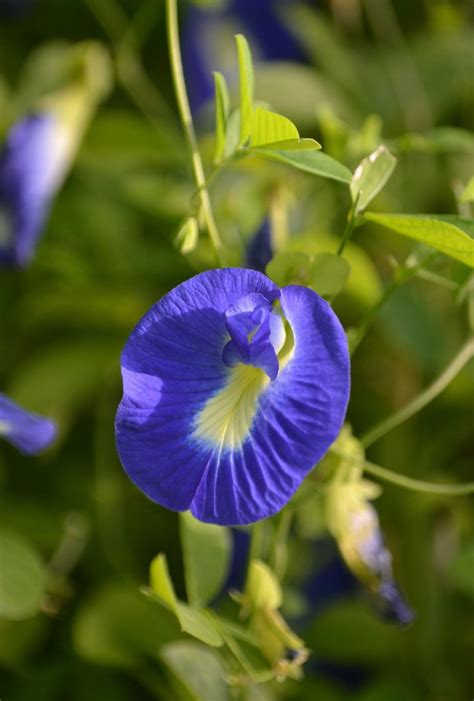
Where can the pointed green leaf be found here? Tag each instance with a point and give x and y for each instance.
(22, 578)
(467, 195)
(445, 237)
(160, 582)
(466, 225)
(206, 552)
(313, 162)
(246, 83)
(187, 237)
(370, 177)
(268, 127)
(222, 114)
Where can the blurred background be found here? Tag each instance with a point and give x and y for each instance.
(350, 73)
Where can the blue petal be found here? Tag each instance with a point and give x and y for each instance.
(174, 372)
(28, 432)
(31, 169)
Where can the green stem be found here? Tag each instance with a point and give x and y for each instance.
(279, 556)
(408, 482)
(424, 398)
(187, 121)
(418, 485)
(348, 231)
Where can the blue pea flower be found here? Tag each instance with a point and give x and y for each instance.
(28, 432)
(260, 250)
(262, 21)
(32, 167)
(233, 390)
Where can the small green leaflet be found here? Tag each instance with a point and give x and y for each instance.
(246, 83)
(370, 177)
(445, 237)
(192, 621)
(206, 552)
(222, 114)
(310, 161)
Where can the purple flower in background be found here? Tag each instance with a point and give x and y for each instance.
(28, 432)
(260, 247)
(262, 21)
(32, 167)
(233, 390)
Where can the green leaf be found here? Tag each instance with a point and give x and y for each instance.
(370, 177)
(246, 83)
(293, 145)
(467, 195)
(160, 582)
(363, 285)
(22, 578)
(313, 162)
(445, 237)
(194, 622)
(199, 670)
(119, 627)
(206, 553)
(222, 114)
(187, 237)
(270, 127)
(466, 225)
(325, 273)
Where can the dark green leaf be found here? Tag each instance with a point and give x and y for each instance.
(314, 162)
(445, 237)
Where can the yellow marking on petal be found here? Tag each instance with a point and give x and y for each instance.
(227, 417)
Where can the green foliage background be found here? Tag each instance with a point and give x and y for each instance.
(108, 254)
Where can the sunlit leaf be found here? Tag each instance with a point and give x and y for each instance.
(22, 578)
(370, 177)
(292, 145)
(445, 237)
(206, 552)
(222, 114)
(246, 83)
(313, 162)
(269, 127)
